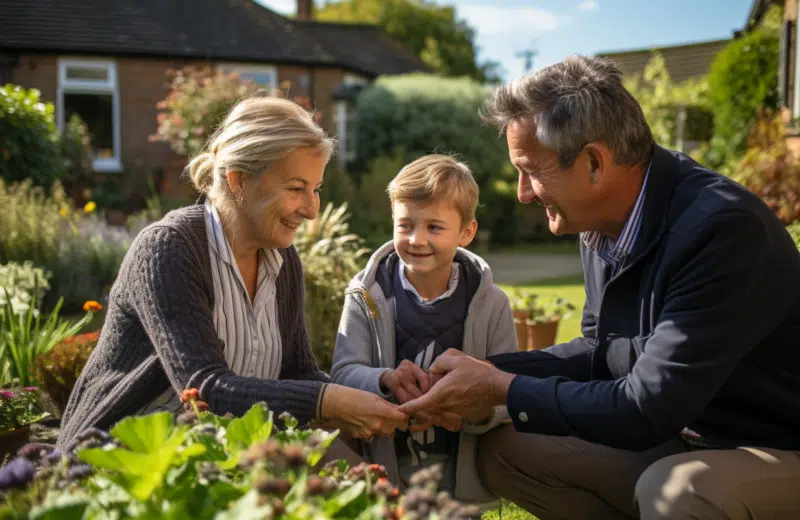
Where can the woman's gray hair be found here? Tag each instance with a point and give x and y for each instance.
(573, 103)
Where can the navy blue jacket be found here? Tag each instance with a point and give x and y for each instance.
(698, 332)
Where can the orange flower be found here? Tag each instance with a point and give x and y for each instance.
(92, 306)
(190, 394)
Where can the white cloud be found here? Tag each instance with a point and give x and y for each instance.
(588, 5)
(494, 20)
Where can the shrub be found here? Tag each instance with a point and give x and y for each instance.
(742, 79)
(331, 256)
(76, 246)
(58, 370)
(417, 114)
(210, 467)
(794, 231)
(19, 407)
(770, 170)
(198, 101)
(76, 151)
(30, 146)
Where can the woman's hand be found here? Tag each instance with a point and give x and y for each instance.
(406, 382)
(360, 414)
(423, 421)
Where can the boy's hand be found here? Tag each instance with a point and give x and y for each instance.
(422, 422)
(406, 382)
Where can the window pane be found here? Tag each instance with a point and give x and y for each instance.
(263, 78)
(96, 111)
(87, 73)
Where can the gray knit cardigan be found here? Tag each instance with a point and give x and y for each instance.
(159, 332)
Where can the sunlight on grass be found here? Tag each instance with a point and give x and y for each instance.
(510, 512)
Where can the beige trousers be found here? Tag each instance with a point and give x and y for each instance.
(568, 478)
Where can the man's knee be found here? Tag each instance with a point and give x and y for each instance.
(669, 489)
(492, 455)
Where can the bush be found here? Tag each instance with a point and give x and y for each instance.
(794, 231)
(742, 79)
(417, 114)
(198, 101)
(331, 256)
(77, 247)
(30, 146)
(211, 467)
(76, 151)
(770, 170)
(58, 370)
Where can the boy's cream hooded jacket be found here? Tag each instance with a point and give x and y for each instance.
(365, 349)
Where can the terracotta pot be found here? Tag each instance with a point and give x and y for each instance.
(520, 319)
(541, 335)
(115, 217)
(11, 441)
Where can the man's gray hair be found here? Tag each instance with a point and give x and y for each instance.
(573, 103)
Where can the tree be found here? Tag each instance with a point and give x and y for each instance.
(430, 31)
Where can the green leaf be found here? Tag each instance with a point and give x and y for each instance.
(141, 473)
(246, 508)
(254, 426)
(65, 507)
(343, 498)
(317, 453)
(144, 433)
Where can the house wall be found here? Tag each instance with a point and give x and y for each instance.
(142, 84)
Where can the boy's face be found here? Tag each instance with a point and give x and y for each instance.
(426, 236)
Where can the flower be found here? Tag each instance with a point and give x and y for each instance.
(89, 207)
(30, 389)
(16, 473)
(190, 394)
(92, 306)
(5, 394)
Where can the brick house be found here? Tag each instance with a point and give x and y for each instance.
(107, 61)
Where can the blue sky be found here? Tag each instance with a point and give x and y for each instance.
(558, 28)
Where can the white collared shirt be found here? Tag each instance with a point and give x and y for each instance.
(452, 284)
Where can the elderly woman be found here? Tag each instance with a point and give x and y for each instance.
(211, 296)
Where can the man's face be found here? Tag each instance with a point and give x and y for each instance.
(568, 195)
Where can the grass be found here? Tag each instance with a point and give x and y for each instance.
(510, 512)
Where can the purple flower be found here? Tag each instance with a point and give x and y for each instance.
(31, 389)
(79, 471)
(5, 394)
(16, 474)
(54, 456)
(34, 450)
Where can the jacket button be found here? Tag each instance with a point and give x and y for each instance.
(523, 417)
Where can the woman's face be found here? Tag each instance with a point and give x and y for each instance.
(276, 203)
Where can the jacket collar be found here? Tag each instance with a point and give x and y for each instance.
(658, 197)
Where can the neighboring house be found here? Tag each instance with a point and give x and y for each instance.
(683, 62)
(107, 61)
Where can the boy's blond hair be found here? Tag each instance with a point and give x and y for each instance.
(437, 177)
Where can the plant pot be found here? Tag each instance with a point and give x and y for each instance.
(11, 441)
(115, 217)
(520, 320)
(541, 335)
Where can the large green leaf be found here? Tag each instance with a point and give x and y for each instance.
(344, 498)
(246, 508)
(144, 433)
(65, 507)
(254, 426)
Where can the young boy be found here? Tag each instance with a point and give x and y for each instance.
(419, 295)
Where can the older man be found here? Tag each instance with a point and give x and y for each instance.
(682, 398)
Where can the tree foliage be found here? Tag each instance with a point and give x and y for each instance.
(431, 31)
(661, 100)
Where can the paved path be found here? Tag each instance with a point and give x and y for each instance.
(513, 268)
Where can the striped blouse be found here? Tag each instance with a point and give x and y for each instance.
(249, 331)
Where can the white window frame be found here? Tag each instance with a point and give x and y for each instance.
(240, 68)
(77, 86)
(347, 150)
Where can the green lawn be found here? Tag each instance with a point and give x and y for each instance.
(562, 247)
(570, 288)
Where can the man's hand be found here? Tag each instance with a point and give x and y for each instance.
(406, 382)
(423, 421)
(462, 385)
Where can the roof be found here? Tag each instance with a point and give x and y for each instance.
(231, 30)
(683, 61)
(362, 46)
